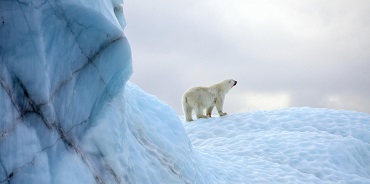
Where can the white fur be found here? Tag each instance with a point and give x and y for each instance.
(200, 98)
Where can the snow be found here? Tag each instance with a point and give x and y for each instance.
(68, 115)
(160, 141)
(294, 145)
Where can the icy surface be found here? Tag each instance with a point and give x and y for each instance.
(159, 148)
(62, 64)
(66, 115)
(295, 145)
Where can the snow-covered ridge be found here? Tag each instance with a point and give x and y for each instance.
(294, 145)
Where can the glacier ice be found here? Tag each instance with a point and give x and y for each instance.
(62, 63)
(65, 113)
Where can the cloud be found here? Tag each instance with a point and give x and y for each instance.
(247, 101)
(316, 52)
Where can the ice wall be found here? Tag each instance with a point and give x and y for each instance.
(65, 115)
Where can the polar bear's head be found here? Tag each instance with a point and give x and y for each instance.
(227, 84)
(230, 82)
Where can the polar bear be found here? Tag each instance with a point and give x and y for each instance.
(200, 98)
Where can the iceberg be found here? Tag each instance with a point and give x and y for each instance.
(68, 114)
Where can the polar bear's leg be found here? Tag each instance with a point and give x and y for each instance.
(219, 106)
(188, 114)
(209, 111)
(188, 111)
(199, 112)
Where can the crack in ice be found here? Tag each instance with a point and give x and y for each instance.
(160, 156)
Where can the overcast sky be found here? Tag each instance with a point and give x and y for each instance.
(284, 53)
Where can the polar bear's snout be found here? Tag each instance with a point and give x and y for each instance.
(235, 83)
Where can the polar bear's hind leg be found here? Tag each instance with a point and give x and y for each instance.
(199, 112)
(187, 110)
(209, 111)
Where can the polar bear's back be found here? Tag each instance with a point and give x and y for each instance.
(199, 96)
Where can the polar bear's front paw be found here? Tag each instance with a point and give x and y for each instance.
(223, 113)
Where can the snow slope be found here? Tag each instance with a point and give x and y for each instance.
(156, 143)
(294, 145)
